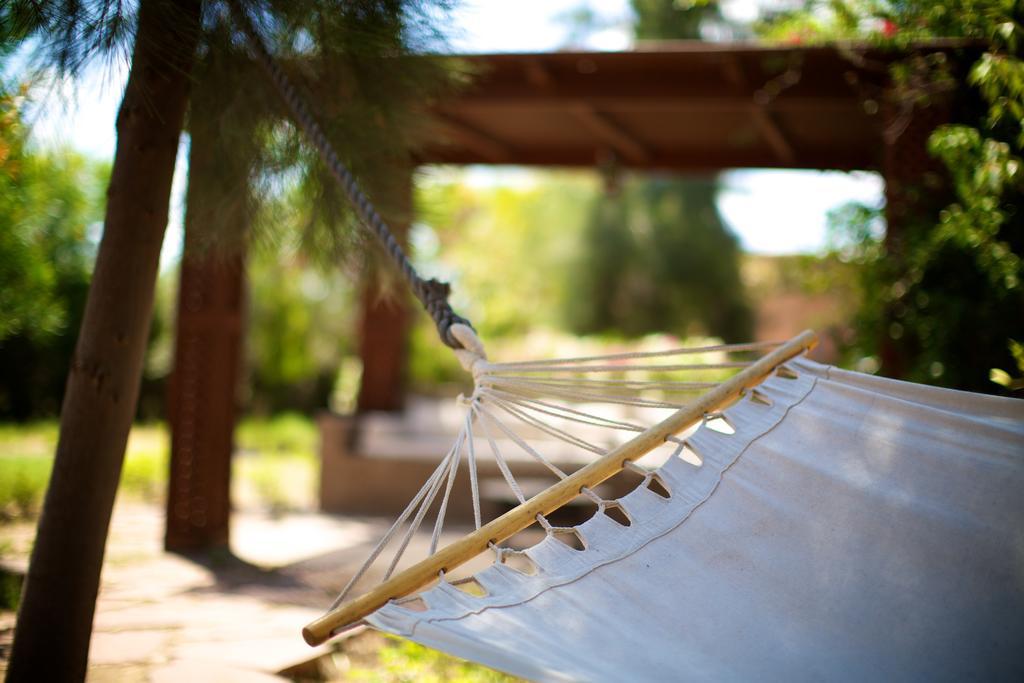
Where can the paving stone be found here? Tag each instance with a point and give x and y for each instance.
(129, 647)
(208, 672)
(167, 618)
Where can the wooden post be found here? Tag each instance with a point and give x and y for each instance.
(916, 188)
(385, 316)
(202, 395)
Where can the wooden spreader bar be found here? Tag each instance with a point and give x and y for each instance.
(415, 577)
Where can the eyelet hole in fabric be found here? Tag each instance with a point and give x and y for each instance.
(759, 398)
(718, 423)
(617, 514)
(471, 586)
(785, 372)
(518, 561)
(688, 455)
(413, 604)
(576, 511)
(525, 538)
(569, 537)
(621, 483)
(656, 485)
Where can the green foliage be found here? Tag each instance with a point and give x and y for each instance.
(45, 206)
(361, 69)
(298, 331)
(70, 34)
(986, 175)
(26, 458)
(672, 19)
(503, 246)
(945, 297)
(430, 365)
(48, 201)
(656, 257)
(529, 242)
(1003, 378)
(276, 483)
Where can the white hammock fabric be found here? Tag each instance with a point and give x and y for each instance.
(856, 528)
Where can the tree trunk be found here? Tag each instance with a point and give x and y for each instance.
(55, 620)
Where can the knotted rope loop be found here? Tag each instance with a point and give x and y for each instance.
(433, 294)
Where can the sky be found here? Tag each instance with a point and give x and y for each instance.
(771, 211)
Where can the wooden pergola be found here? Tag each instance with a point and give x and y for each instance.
(671, 107)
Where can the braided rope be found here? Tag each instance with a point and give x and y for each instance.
(432, 294)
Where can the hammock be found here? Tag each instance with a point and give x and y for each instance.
(818, 524)
(827, 524)
(851, 528)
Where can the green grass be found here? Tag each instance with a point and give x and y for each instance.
(26, 458)
(276, 482)
(287, 433)
(275, 469)
(23, 480)
(276, 465)
(144, 473)
(10, 590)
(403, 661)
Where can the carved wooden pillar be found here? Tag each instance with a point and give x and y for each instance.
(202, 400)
(385, 316)
(202, 392)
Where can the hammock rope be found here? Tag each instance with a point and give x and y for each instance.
(432, 294)
(531, 392)
(548, 408)
(549, 411)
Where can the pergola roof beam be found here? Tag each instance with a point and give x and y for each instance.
(480, 143)
(766, 124)
(614, 135)
(773, 135)
(675, 106)
(560, 101)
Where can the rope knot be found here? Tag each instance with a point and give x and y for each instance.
(433, 294)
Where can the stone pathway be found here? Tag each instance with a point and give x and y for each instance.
(218, 617)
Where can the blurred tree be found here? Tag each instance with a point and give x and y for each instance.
(948, 297)
(660, 260)
(299, 325)
(671, 19)
(54, 623)
(498, 246)
(484, 240)
(47, 201)
(656, 255)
